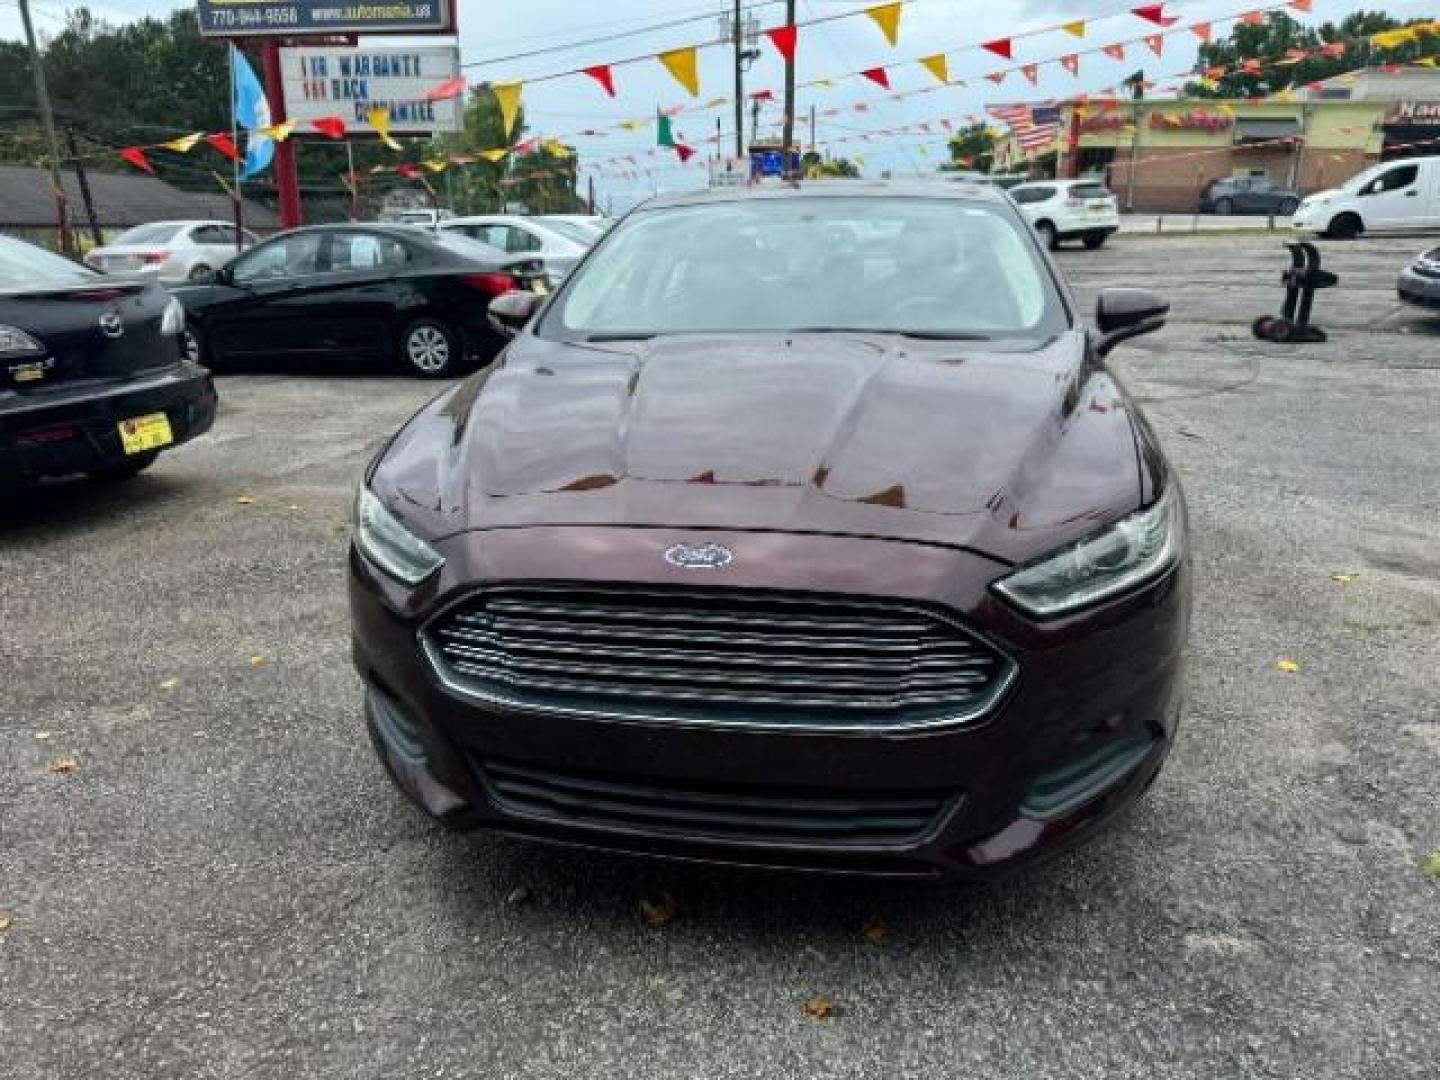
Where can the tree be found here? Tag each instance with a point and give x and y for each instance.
(813, 164)
(1270, 40)
(972, 147)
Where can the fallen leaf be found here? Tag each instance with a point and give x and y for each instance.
(659, 911)
(819, 1008)
(169, 684)
(1431, 866)
(876, 931)
(42, 735)
(1344, 579)
(258, 661)
(5, 923)
(64, 765)
(244, 500)
(1288, 666)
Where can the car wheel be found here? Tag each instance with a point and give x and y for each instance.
(126, 469)
(200, 273)
(1288, 206)
(1048, 235)
(1345, 227)
(1224, 207)
(1094, 240)
(430, 348)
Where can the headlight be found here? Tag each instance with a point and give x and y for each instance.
(1130, 552)
(173, 321)
(15, 343)
(389, 545)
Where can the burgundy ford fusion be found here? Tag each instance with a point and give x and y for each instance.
(801, 528)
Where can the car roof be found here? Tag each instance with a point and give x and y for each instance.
(400, 232)
(962, 191)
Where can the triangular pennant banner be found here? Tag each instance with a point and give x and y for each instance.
(507, 95)
(379, 118)
(937, 66)
(222, 142)
(783, 38)
(1000, 47)
(1071, 63)
(1031, 73)
(407, 171)
(1156, 42)
(1115, 52)
(184, 144)
(601, 74)
(450, 88)
(332, 127)
(135, 156)
(1201, 30)
(1302, 5)
(1155, 13)
(997, 77)
(664, 135)
(878, 76)
(497, 154)
(1253, 18)
(887, 17)
(683, 152)
(279, 132)
(681, 63)
(436, 166)
(1074, 29)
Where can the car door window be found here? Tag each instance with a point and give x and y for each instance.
(518, 240)
(207, 234)
(365, 253)
(290, 256)
(1032, 195)
(1402, 176)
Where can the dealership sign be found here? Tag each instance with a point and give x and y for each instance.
(285, 18)
(1415, 112)
(348, 83)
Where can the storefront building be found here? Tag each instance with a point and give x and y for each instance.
(1159, 155)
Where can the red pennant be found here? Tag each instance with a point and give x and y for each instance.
(1217, 72)
(878, 76)
(601, 73)
(947, 125)
(1115, 52)
(450, 88)
(1250, 67)
(783, 38)
(1031, 73)
(1156, 43)
(1391, 68)
(528, 146)
(1254, 18)
(1201, 30)
(222, 142)
(1315, 87)
(763, 95)
(1334, 50)
(1155, 13)
(997, 77)
(332, 127)
(135, 156)
(1302, 5)
(683, 152)
(1071, 63)
(1000, 47)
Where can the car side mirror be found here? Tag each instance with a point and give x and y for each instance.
(509, 312)
(1124, 313)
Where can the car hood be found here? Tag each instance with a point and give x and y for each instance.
(1007, 451)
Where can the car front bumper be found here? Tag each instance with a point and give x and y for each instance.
(1418, 289)
(1081, 734)
(75, 429)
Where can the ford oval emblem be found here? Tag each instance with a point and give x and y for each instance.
(699, 556)
(111, 325)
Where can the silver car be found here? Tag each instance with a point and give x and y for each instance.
(1419, 282)
(524, 236)
(170, 251)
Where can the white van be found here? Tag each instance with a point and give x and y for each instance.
(1395, 196)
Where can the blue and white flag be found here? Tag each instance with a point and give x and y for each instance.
(252, 112)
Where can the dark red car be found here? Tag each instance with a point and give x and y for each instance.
(802, 528)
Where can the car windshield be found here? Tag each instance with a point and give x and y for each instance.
(26, 266)
(931, 267)
(158, 232)
(457, 242)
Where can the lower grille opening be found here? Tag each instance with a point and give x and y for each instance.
(735, 814)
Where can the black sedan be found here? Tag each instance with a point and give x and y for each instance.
(356, 292)
(92, 376)
(1247, 195)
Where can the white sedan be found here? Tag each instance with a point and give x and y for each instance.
(519, 235)
(170, 251)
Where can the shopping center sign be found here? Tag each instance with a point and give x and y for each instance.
(290, 18)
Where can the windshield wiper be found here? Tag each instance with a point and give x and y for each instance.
(619, 335)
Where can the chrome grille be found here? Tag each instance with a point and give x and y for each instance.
(747, 658)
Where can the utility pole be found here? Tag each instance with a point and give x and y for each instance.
(739, 80)
(47, 118)
(83, 182)
(787, 137)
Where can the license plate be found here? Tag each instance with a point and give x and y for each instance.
(1101, 208)
(540, 286)
(31, 372)
(144, 433)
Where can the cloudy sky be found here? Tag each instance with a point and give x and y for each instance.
(493, 34)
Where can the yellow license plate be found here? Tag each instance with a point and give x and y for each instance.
(540, 286)
(147, 432)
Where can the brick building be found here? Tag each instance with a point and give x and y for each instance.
(1159, 155)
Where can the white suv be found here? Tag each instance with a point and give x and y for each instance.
(1068, 210)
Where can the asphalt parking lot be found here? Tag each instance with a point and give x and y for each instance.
(225, 884)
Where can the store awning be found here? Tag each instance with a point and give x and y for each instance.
(1254, 129)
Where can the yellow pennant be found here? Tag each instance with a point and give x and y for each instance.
(1285, 95)
(1426, 61)
(716, 102)
(436, 166)
(1226, 109)
(827, 83)
(887, 17)
(681, 63)
(184, 144)
(936, 66)
(634, 125)
(1074, 29)
(497, 154)
(507, 94)
(279, 132)
(556, 148)
(379, 118)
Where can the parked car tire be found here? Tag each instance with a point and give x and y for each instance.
(431, 349)
(1049, 235)
(1224, 207)
(1288, 206)
(125, 470)
(1095, 240)
(1345, 227)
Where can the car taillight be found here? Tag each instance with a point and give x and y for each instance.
(493, 284)
(152, 258)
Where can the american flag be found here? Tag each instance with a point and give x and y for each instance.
(1035, 126)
